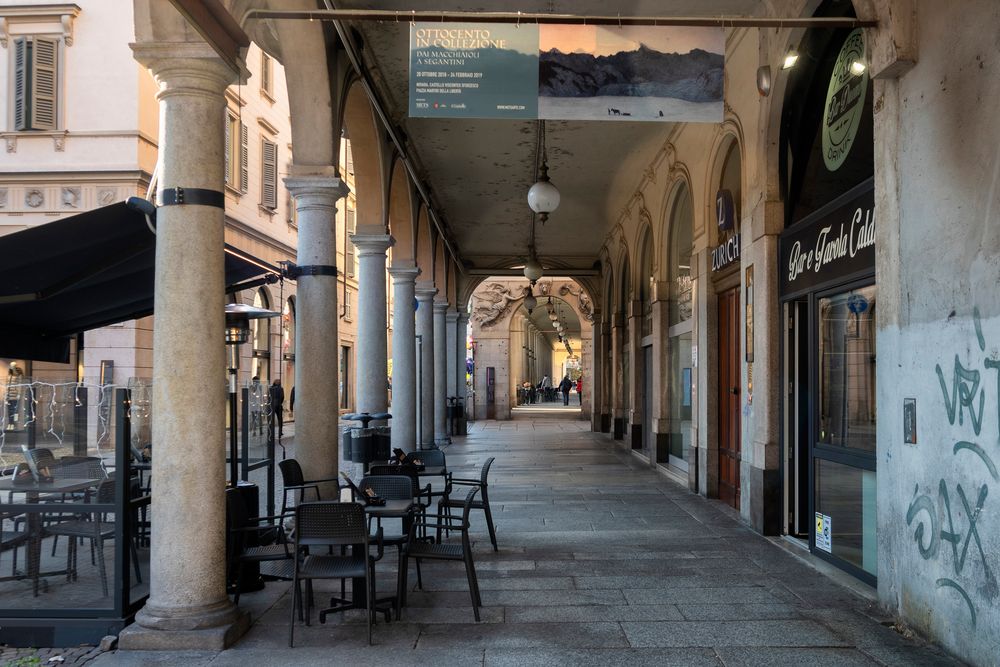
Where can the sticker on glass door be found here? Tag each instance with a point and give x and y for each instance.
(824, 530)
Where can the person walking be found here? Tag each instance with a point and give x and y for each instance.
(579, 389)
(278, 405)
(564, 387)
(546, 388)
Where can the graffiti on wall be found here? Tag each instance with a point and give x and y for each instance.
(946, 525)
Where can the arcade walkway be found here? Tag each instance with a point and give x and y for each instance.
(601, 563)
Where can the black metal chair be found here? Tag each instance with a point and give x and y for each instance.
(292, 480)
(421, 494)
(482, 504)
(420, 550)
(331, 524)
(250, 542)
(390, 487)
(95, 527)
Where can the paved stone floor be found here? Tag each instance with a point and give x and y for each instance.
(601, 562)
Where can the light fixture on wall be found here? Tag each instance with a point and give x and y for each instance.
(764, 80)
(858, 68)
(791, 57)
(543, 196)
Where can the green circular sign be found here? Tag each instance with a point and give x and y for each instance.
(845, 100)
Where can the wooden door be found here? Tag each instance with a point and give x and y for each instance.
(729, 397)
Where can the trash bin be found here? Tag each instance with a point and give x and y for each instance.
(250, 579)
(362, 445)
(461, 427)
(346, 443)
(383, 443)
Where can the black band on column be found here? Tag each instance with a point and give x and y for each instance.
(295, 271)
(192, 196)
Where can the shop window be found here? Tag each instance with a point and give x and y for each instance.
(681, 286)
(845, 514)
(36, 83)
(847, 370)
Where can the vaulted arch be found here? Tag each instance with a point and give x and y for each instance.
(402, 218)
(365, 158)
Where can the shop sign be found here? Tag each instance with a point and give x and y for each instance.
(727, 253)
(824, 533)
(725, 210)
(845, 101)
(836, 241)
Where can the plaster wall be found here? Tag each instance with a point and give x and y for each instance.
(937, 201)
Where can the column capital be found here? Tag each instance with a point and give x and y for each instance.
(463, 317)
(319, 188)
(441, 306)
(451, 316)
(187, 68)
(372, 244)
(403, 274)
(425, 290)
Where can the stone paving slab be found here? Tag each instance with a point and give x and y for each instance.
(602, 562)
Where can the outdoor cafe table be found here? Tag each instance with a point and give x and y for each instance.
(33, 490)
(393, 509)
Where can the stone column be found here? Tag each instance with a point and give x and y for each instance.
(316, 363)
(461, 334)
(187, 604)
(404, 359)
(372, 340)
(451, 324)
(441, 435)
(617, 403)
(425, 292)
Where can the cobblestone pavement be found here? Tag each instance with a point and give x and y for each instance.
(30, 657)
(602, 562)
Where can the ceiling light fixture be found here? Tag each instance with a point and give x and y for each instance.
(858, 68)
(530, 301)
(543, 196)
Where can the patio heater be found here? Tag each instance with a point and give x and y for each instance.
(238, 318)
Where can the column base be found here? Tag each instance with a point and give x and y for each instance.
(215, 629)
(440, 442)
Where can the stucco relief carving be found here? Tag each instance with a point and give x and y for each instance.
(11, 143)
(34, 198)
(3, 198)
(106, 196)
(586, 305)
(71, 197)
(494, 302)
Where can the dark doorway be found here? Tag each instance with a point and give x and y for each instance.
(729, 397)
(797, 418)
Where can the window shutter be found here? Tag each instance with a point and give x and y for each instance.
(351, 228)
(244, 158)
(269, 175)
(227, 119)
(20, 83)
(44, 83)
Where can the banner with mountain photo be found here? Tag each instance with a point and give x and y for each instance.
(575, 72)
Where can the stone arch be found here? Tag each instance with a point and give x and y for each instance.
(678, 175)
(729, 136)
(401, 215)
(360, 128)
(451, 283)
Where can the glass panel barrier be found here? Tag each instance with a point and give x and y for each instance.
(68, 531)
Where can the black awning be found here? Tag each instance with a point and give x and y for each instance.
(84, 272)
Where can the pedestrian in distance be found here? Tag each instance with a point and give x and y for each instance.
(564, 387)
(278, 405)
(579, 389)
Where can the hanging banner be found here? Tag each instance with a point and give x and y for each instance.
(566, 72)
